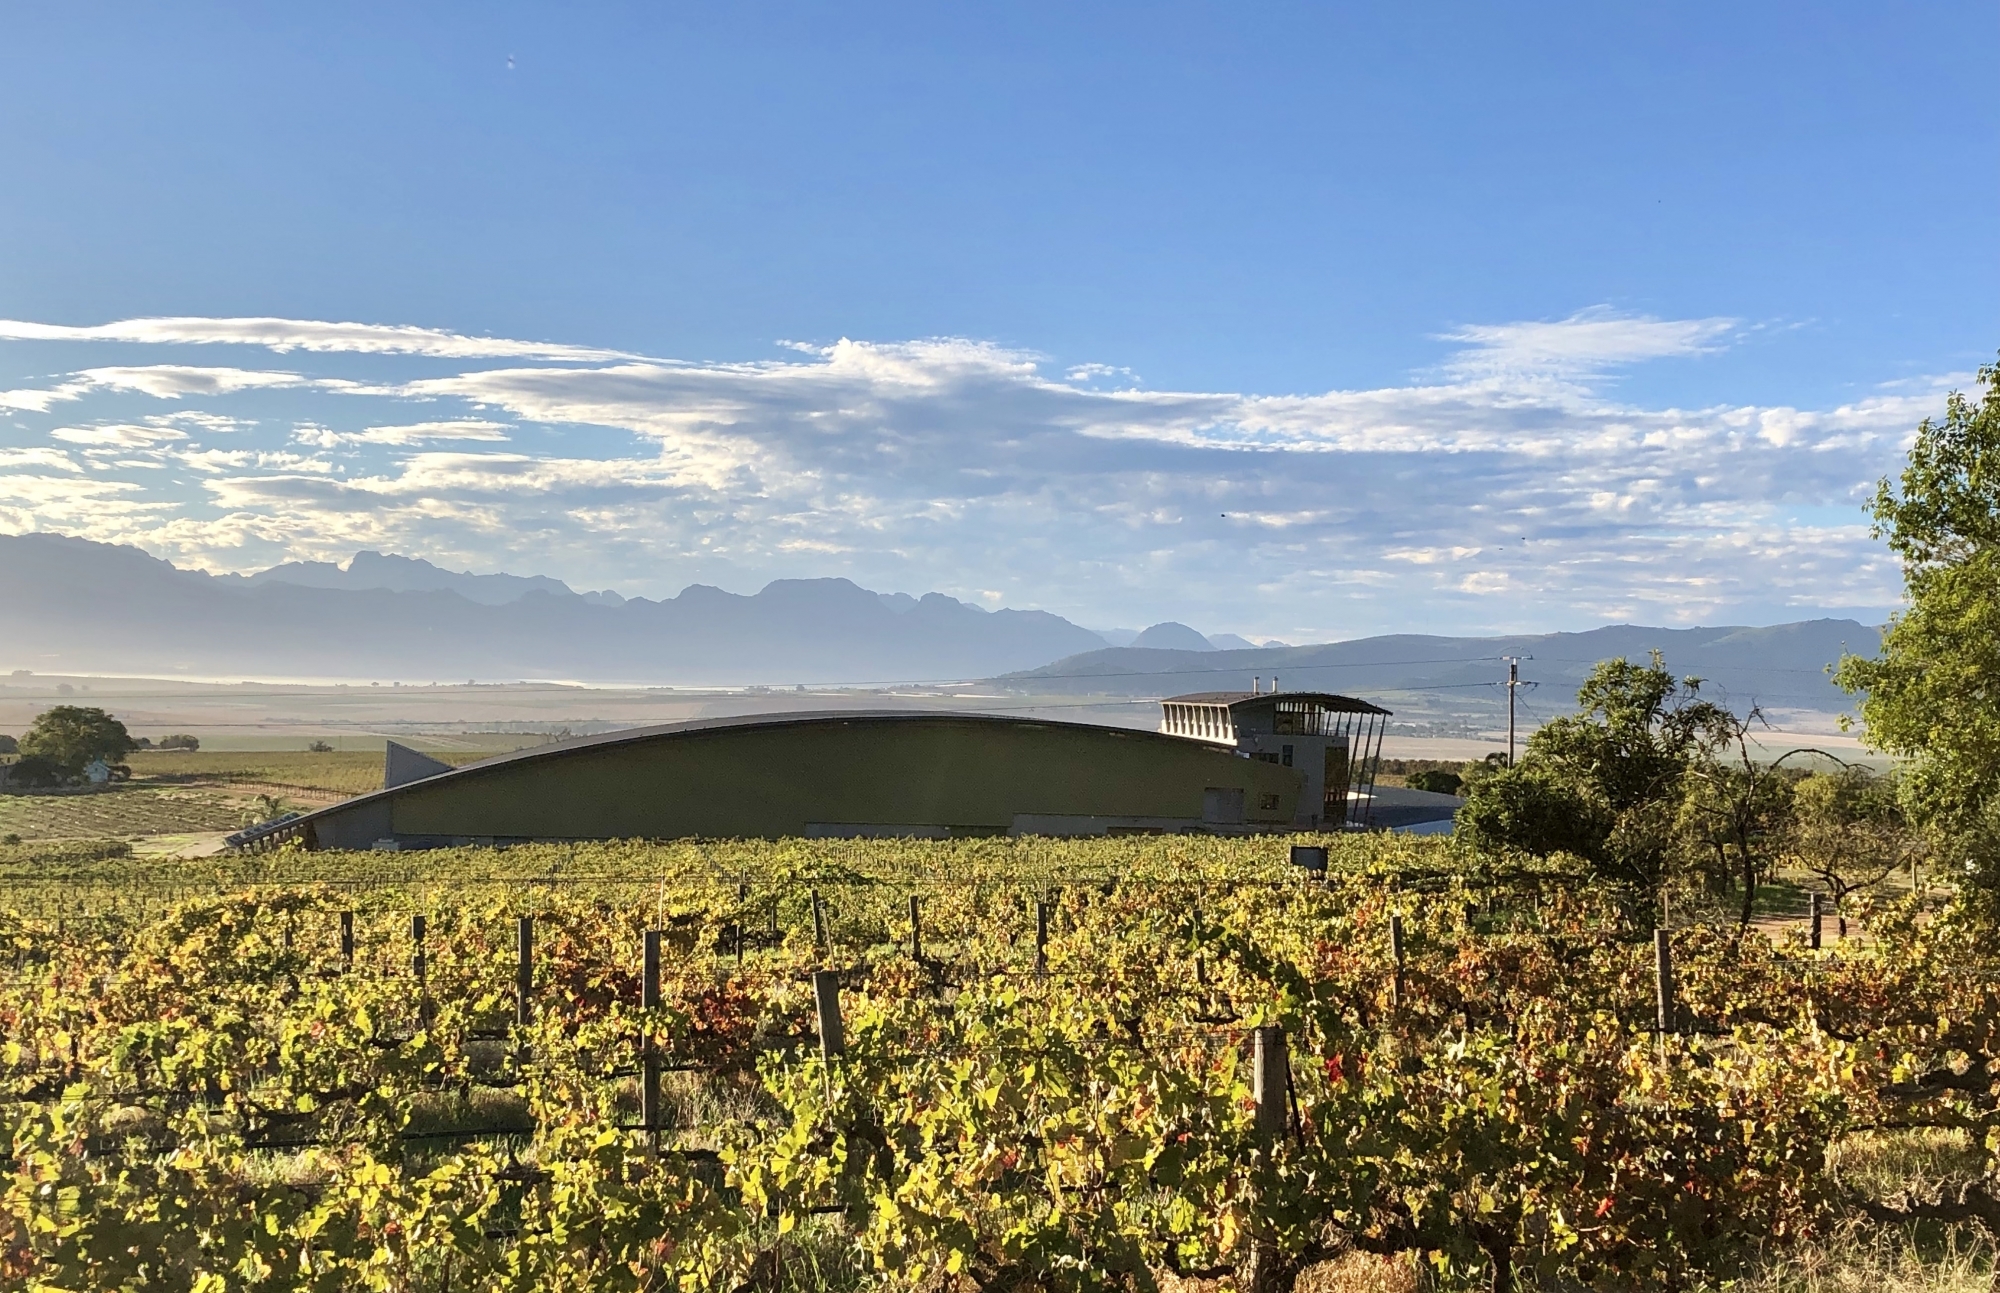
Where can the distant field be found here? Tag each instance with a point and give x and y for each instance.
(341, 772)
(117, 812)
(181, 793)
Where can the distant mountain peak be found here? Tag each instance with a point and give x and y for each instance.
(369, 569)
(1170, 636)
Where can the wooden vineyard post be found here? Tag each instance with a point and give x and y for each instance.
(1200, 957)
(649, 1056)
(736, 933)
(1269, 1074)
(1396, 953)
(1665, 1007)
(420, 967)
(1041, 939)
(524, 970)
(347, 942)
(819, 922)
(826, 1002)
(916, 930)
(1818, 917)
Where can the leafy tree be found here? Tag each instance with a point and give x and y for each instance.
(1531, 807)
(70, 736)
(180, 741)
(1606, 783)
(8, 745)
(1933, 695)
(1847, 828)
(1735, 810)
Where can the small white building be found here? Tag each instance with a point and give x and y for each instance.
(1335, 741)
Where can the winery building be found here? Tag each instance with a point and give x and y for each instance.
(833, 774)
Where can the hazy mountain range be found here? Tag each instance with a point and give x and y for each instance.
(72, 605)
(1780, 667)
(87, 607)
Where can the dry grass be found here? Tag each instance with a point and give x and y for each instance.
(1363, 1273)
(1922, 1160)
(1352, 1273)
(1881, 1261)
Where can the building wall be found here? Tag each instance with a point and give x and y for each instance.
(1316, 758)
(931, 775)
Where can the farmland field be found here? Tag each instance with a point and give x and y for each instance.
(197, 793)
(337, 772)
(1045, 1073)
(118, 811)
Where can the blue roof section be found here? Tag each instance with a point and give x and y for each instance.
(251, 834)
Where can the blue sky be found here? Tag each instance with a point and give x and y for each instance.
(1306, 322)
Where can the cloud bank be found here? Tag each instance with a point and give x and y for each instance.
(1507, 488)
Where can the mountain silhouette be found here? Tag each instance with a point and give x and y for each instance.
(98, 608)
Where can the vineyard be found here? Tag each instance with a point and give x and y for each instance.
(990, 1064)
(117, 810)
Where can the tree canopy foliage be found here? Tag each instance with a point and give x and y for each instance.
(1933, 694)
(68, 737)
(1608, 782)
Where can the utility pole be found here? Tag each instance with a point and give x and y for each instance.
(1513, 685)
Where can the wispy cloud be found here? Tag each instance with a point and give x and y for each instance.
(283, 335)
(38, 401)
(172, 381)
(1508, 487)
(128, 437)
(411, 434)
(1586, 344)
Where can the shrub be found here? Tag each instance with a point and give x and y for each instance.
(40, 771)
(1436, 780)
